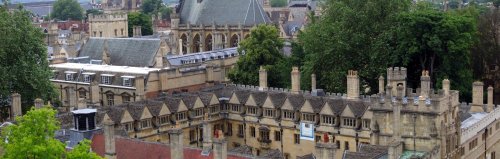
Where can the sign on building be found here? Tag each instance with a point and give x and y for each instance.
(307, 131)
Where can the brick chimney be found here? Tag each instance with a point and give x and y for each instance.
(446, 86)
(352, 85)
(16, 106)
(425, 85)
(295, 80)
(490, 99)
(109, 138)
(220, 146)
(477, 97)
(262, 79)
(313, 82)
(176, 142)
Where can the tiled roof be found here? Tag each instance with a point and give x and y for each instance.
(337, 105)
(208, 12)
(242, 95)
(367, 151)
(172, 103)
(357, 107)
(259, 97)
(133, 52)
(133, 149)
(316, 102)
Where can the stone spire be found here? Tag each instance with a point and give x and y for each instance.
(106, 57)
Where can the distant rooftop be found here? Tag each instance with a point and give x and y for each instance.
(105, 68)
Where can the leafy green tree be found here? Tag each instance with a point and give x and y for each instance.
(67, 9)
(351, 35)
(439, 42)
(278, 3)
(139, 19)
(82, 151)
(33, 136)
(24, 68)
(487, 51)
(94, 12)
(151, 6)
(165, 12)
(262, 48)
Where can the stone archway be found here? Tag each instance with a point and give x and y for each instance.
(184, 44)
(208, 42)
(234, 41)
(196, 43)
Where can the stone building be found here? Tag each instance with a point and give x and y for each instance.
(108, 25)
(206, 25)
(398, 122)
(112, 71)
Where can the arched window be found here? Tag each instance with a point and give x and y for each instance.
(184, 43)
(234, 41)
(208, 42)
(196, 43)
(223, 41)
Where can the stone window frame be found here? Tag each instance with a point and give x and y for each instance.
(129, 126)
(308, 117)
(70, 76)
(214, 109)
(87, 78)
(146, 123)
(252, 131)
(164, 119)
(251, 110)
(365, 124)
(236, 108)
(181, 116)
(287, 113)
(296, 138)
(348, 122)
(198, 112)
(241, 130)
(110, 99)
(82, 93)
(277, 135)
(270, 113)
(326, 121)
(126, 98)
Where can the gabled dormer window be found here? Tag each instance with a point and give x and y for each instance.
(366, 123)
(235, 108)
(198, 112)
(327, 119)
(349, 122)
(129, 126)
(269, 113)
(146, 123)
(308, 117)
(128, 80)
(106, 78)
(70, 75)
(214, 109)
(252, 110)
(180, 116)
(287, 114)
(164, 119)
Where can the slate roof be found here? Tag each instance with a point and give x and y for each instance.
(43, 8)
(357, 107)
(367, 151)
(172, 103)
(133, 52)
(316, 103)
(202, 56)
(222, 12)
(277, 99)
(243, 149)
(259, 97)
(242, 95)
(296, 100)
(272, 154)
(337, 105)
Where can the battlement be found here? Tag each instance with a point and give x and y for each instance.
(396, 73)
(108, 17)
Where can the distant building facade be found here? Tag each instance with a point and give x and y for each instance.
(206, 25)
(108, 25)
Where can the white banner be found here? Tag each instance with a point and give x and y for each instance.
(307, 131)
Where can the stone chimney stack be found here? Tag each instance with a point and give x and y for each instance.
(220, 146)
(326, 148)
(490, 99)
(477, 97)
(139, 87)
(176, 142)
(94, 93)
(106, 57)
(446, 86)
(313, 82)
(352, 85)
(396, 121)
(262, 79)
(295, 80)
(282, 18)
(38, 103)
(109, 138)
(136, 31)
(72, 97)
(16, 106)
(207, 133)
(425, 85)
(381, 84)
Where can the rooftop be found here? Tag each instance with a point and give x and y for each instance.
(475, 117)
(104, 68)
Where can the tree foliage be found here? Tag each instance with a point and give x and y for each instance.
(24, 68)
(82, 151)
(439, 42)
(278, 3)
(33, 136)
(165, 12)
(262, 48)
(67, 9)
(351, 35)
(139, 19)
(151, 6)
